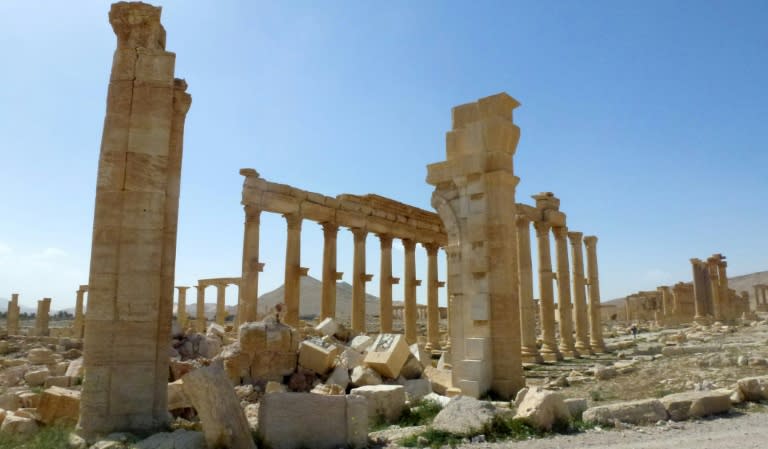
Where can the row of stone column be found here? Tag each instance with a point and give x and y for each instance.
(42, 317)
(294, 271)
(761, 296)
(580, 319)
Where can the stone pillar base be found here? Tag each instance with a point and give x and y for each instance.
(532, 358)
(552, 356)
(599, 348)
(570, 353)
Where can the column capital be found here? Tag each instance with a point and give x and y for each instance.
(182, 288)
(330, 229)
(431, 248)
(252, 213)
(575, 237)
(590, 240)
(409, 245)
(293, 221)
(386, 241)
(522, 220)
(560, 232)
(359, 233)
(542, 228)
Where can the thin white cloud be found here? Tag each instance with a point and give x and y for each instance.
(52, 253)
(5, 250)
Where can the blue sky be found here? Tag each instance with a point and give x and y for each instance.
(648, 120)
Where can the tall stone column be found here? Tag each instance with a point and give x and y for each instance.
(134, 233)
(701, 292)
(328, 300)
(595, 325)
(221, 306)
(433, 313)
(410, 291)
(567, 345)
(78, 327)
(12, 317)
(528, 348)
(181, 311)
(385, 283)
(200, 311)
(358, 281)
(43, 317)
(248, 299)
(549, 349)
(714, 290)
(292, 283)
(580, 314)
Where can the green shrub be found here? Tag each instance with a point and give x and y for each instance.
(55, 437)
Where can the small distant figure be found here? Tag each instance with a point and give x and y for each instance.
(634, 330)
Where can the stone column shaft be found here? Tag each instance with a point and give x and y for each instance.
(433, 313)
(580, 311)
(42, 317)
(358, 281)
(12, 320)
(410, 291)
(328, 300)
(549, 349)
(200, 311)
(567, 345)
(181, 313)
(385, 284)
(528, 348)
(248, 296)
(595, 326)
(292, 283)
(221, 306)
(79, 324)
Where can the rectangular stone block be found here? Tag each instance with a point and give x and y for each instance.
(327, 327)
(388, 354)
(296, 420)
(317, 355)
(59, 406)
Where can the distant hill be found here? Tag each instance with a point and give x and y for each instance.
(738, 283)
(4, 307)
(311, 291)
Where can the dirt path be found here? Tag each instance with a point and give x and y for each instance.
(744, 431)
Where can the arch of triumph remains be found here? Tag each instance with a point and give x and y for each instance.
(484, 232)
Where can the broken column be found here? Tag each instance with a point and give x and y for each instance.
(593, 282)
(475, 198)
(701, 292)
(133, 252)
(580, 310)
(78, 326)
(12, 317)
(43, 317)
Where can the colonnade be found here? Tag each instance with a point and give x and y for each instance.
(221, 285)
(761, 297)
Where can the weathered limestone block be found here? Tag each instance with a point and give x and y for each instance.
(695, 404)
(18, 425)
(416, 389)
(412, 368)
(59, 405)
(644, 411)
(298, 420)
(176, 396)
(209, 346)
(212, 396)
(9, 401)
(272, 348)
(58, 381)
(440, 379)
(327, 389)
(351, 358)
(464, 415)
(361, 343)
(388, 354)
(385, 402)
(40, 356)
(275, 387)
(754, 388)
(75, 369)
(179, 439)
(576, 407)
(29, 399)
(541, 408)
(339, 377)
(327, 327)
(317, 355)
(36, 377)
(362, 376)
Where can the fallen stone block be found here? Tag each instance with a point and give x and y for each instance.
(464, 415)
(59, 405)
(362, 376)
(36, 377)
(339, 376)
(695, 404)
(176, 397)
(317, 355)
(9, 401)
(645, 411)
(40, 356)
(421, 354)
(304, 420)
(75, 369)
(256, 337)
(361, 343)
(18, 425)
(541, 408)
(179, 439)
(416, 389)
(327, 389)
(29, 399)
(439, 378)
(385, 402)
(576, 407)
(754, 388)
(209, 347)
(211, 394)
(58, 381)
(275, 387)
(412, 368)
(350, 358)
(327, 327)
(604, 372)
(388, 354)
